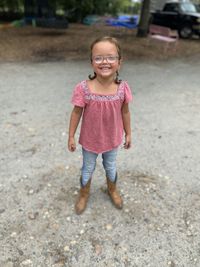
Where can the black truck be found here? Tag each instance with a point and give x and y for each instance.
(181, 16)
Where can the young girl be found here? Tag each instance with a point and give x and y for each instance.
(102, 102)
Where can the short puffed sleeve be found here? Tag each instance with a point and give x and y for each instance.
(127, 93)
(78, 96)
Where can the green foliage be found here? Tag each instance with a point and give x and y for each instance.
(136, 8)
(75, 8)
(11, 5)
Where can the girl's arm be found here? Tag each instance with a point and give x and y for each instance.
(126, 117)
(74, 121)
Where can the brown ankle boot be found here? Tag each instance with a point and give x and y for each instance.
(114, 195)
(81, 202)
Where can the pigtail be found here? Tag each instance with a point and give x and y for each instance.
(92, 77)
(117, 80)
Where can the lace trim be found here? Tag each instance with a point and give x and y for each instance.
(89, 96)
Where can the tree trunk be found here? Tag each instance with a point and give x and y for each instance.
(144, 19)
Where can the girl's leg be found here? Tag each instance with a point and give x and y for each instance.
(109, 163)
(89, 164)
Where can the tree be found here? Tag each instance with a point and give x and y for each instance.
(144, 19)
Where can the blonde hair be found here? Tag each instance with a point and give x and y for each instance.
(112, 40)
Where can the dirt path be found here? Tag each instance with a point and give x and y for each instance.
(40, 45)
(158, 178)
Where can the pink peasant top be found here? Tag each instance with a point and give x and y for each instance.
(102, 124)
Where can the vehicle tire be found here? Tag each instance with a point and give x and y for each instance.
(185, 32)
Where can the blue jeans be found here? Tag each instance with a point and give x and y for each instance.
(89, 164)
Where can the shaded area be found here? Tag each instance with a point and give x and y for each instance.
(29, 44)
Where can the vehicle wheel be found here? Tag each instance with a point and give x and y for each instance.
(185, 32)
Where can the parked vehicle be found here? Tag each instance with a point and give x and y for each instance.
(126, 21)
(181, 16)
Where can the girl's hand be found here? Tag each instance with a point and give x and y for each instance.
(71, 144)
(127, 143)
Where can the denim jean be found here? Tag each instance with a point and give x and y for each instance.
(89, 164)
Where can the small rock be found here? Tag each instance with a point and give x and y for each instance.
(55, 226)
(98, 249)
(171, 264)
(27, 262)
(66, 248)
(13, 234)
(73, 242)
(30, 192)
(82, 232)
(46, 215)
(32, 215)
(31, 130)
(189, 233)
(109, 227)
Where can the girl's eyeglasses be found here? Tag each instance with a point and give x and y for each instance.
(109, 59)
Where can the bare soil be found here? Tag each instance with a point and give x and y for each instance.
(39, 44)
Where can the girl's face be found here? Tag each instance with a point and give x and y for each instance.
(105, 59)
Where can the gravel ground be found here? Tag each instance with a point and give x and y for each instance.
(158, 178)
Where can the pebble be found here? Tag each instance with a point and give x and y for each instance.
(188, 223)
(73, 242)
(109, 227)
(26, 262)
(32, 215)
(30, 192)
(98, 249)
(13, 234)
(55, 226)
(189, 233)
(127, 210)
(171, 264)
(82, 232)
(46, 215)
(66, 248)
(31, 129)
(69, 219)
